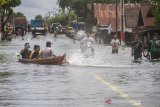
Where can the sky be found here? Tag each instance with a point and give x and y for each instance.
(31, 8)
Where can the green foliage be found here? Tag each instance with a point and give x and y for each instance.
(63, 3)
(84, 8)
(6, 8)
(156, 10)
(63, 19)
(10, 3)
(2, 2)
(60, 19)
(18, 14)
(6, 11)
(39, 17)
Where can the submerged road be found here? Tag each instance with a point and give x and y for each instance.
(106, 80)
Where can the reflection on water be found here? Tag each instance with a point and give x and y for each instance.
(2, 58)
(5, 74)
(31, 85)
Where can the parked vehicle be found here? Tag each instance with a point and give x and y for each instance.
(57, 28)
(20, 24)
(103, 35)
(38, 27)
(70, 32)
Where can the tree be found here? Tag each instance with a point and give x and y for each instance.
(2, 2)
(6, 11)
(18, 14)
(38, 17)
(64, 4)
(156, 10)
(82, 8)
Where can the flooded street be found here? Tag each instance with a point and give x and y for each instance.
(106, 80)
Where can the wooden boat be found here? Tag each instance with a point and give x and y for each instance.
(58, 60)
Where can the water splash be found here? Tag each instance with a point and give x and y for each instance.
(98, 60)
(79, 35)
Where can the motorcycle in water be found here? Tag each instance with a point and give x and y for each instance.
(87, 50)
(20, 32)
(154, 52)
(9, 36)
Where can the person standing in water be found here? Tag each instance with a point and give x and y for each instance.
(115, 43)
(137, 49)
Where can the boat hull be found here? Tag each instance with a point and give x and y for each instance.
(59, 60)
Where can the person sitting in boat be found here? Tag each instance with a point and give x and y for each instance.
(115, 43)
(47, 52)
(137, 48)
(25, 52)
(35, 54)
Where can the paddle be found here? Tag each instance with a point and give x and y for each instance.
(19, 56)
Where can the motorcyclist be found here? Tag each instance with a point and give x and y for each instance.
(155, 48)
(86, 42)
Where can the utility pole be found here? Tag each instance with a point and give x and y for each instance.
(0, 28)
(116, 16)
(122, 24)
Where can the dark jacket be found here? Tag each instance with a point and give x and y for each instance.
(25, 53)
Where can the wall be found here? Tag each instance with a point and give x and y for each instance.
(0, 33)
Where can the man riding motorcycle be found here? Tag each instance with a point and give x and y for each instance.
(86, 45)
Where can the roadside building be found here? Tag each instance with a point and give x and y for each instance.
(0, 33)
(0, 29)
(138, 20)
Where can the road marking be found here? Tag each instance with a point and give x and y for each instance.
(116, 90)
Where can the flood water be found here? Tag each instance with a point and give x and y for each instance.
(76, 85)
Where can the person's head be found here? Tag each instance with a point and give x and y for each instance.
(115, 37)
(26, 45)
(155, 36)
(36, 47)
(48, 44)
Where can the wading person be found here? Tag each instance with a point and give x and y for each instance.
(47, 52)
(137, 48)
(25, 52)
(115, 43)
(155, 47)
(35, 54)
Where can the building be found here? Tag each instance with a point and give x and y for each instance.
(138, 19)
(0, 30)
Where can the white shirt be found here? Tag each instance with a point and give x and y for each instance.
(115, 44)
(47, 52)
